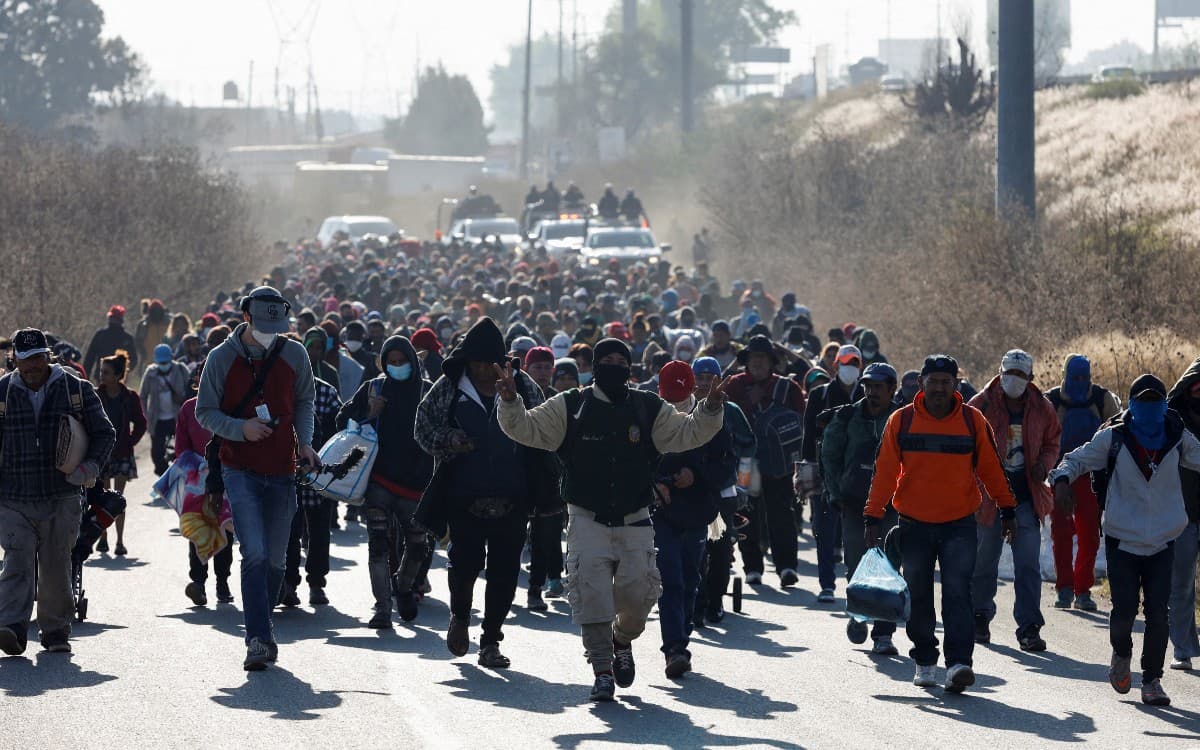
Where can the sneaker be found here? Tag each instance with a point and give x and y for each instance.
(1118, 674)
(604, 689)
(788, 578)
(458, 637)
(678, 664)
(1153, 694)
(1030, 640)
(290, 598)
(56, 643)
(535, 603)
(624, 670)
(959, 677)
(826, 596)
(490, 657)
(195, 592)
(406, 604)
(554, 589)
(983, 631)
(381, 619)
(1064, 600)
(102, 545)
(120, 550)
(272, 652)
(926, 675)
(884, 646)
(714, 614)
(754, 578)
(316, 596)
(1085, 602)
(1184, 665)
(856, 631)
(11, 643)
(224, 595)
(257, 656)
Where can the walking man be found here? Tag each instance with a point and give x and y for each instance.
(40, 505)
(941, 448)
(609, 437)
(257, 398)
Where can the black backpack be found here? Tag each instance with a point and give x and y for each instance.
(780, 432)
(1101, 480)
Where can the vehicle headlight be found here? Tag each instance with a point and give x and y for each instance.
(654, 259)
(593, 261)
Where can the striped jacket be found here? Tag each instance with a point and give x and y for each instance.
(29, 438)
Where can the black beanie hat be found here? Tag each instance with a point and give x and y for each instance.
(610, 346)
(940, 363)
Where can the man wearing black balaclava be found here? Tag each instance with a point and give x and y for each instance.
(609, 438)
(484, 485)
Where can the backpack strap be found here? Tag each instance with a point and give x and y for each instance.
(1054, 396)
(780, 394)
(76, 398)
(1097, 399)
(1114, 450)
(906, 420)
(971, 431)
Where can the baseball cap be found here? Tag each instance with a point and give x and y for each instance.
(117, 311)
(1017, 359)
(880, 372)
(940, 363)
(849, 354)
(29, 342)
(706, 366)
(269, 311)
(676, 382)
(162, 354)
(522, 344)
(1147, 386)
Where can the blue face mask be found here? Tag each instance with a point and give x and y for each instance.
(1147, 419)
(400, 372)
(585, 378)
(1077, 384)
(328, 344)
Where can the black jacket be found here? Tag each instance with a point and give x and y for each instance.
(823, 397)
(400, 459)
(105, 342)
(1177, 399)
(696, 507)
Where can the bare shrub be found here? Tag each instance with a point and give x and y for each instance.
(85, 229)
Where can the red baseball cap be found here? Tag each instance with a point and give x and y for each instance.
(676, 381)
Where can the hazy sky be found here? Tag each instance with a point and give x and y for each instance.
(363, 52)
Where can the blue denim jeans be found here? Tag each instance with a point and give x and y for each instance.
(826, 521)
(679, 554)
(952, 547)
(1027, 583)
(263, 507)
(1183, 594)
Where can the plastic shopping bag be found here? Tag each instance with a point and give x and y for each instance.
(352, 487)
(877, 591)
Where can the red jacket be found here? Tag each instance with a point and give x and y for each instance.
(1040, 436)
(739, 392)
(189, 435)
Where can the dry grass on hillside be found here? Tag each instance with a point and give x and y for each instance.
(1117, 358)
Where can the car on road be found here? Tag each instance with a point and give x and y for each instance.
(1113, 73)
(559, 237)
(508, 231)
(626, 244)
(355, 227)
(893, 84)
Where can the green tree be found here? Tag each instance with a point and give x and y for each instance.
(55, 62)
(508, 80)
(445, 118)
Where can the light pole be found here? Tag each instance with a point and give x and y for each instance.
(524, 170)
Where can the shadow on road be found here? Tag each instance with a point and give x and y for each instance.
(633, 721)
(1050, 663)
(114, 563)
(22, 678)
(283, 694)
(1188, 721)
(425, 642)
(89, 627)
(989, 714)
(506, 688)
(227, 620)
(741, 633)
(704, 692)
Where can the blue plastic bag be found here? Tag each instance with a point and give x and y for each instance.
(877, 591)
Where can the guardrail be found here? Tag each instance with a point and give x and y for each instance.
(1152, 78)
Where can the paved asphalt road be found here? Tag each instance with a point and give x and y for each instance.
(150, 670)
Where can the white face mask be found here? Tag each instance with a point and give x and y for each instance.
(265, 340)
(848, 374)
(1013, 385)
(353, 346)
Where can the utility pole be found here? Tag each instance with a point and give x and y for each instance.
(1016, 184)
(249, 93)
(686, 42)
(558, 88)
(1157, 20)
(524, 169)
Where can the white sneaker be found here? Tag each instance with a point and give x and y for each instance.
(959, 677)
(1184, 665)
(926, 675)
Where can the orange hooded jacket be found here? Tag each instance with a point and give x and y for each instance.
(935, 477)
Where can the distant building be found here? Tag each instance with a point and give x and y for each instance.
(911, 58)
(867, 70)
(1051, 34)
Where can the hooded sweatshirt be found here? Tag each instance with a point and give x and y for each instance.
(288, 394)
(401, 464)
